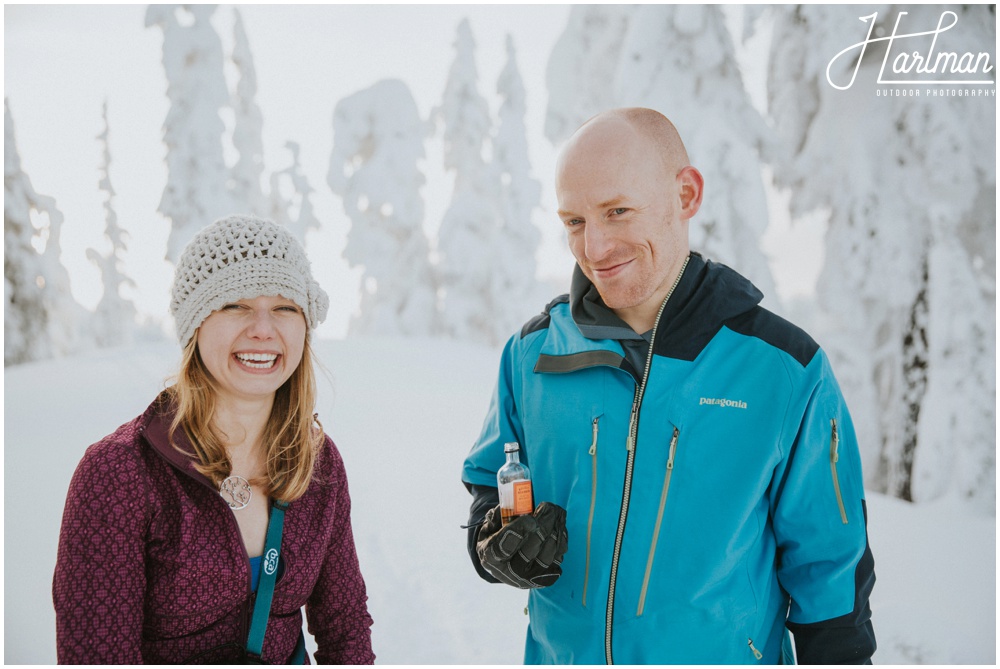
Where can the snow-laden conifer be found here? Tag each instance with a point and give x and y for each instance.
(41, 318)
(680, 61)
(295, 211)
(375, 168)
(909, 275)
(24, 316)
(582, 67)
(248, 128)
(69, 324)
(470, 229)
(515, 285)
(114, 320)
(197, 189)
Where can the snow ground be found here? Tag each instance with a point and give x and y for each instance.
(403, 413)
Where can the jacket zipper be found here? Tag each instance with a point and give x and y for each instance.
(633, 431)
(593, 500)
(659, 520)
(756, 653)
(247, 613)
(248, 604)
(834, 457)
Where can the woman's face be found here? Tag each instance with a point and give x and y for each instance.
(251, 347)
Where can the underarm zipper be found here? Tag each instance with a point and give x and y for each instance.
(834, 458)
(756, 653)
(593, 499)
(659, 520)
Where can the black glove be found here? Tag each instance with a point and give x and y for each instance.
(527, 552)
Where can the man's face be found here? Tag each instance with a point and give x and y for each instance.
(620, 206)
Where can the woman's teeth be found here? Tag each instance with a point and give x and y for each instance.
(257, 360)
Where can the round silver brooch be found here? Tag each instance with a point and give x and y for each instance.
(236, 491)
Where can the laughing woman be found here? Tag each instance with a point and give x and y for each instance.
(197, 532)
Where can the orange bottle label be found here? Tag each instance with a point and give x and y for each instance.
(522, 498)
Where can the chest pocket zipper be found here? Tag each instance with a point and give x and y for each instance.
(659, 520)
(593, 500)
(834, 458)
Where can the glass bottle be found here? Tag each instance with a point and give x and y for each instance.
(514, 484)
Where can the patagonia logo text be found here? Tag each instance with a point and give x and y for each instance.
(736, 404)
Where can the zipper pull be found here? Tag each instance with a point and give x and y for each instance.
(834, 441)
(756, 653)
(673, 449)
(593, 444)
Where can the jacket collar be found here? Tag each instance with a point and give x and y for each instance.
(594, 319)
(564, 350)
(155, 428)
(707, 295)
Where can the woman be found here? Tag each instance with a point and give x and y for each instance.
(225, 492)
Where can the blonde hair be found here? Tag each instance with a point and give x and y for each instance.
(292, 435)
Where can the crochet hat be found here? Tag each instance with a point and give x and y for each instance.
(242, 257)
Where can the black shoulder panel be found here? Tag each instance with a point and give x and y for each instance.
(541, 321)
(776, 331)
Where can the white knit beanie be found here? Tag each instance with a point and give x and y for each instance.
(242, 257)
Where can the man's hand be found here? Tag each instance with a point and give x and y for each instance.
(527, 552)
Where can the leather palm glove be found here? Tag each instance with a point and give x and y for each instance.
(527, 552)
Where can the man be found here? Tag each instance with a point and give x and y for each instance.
(698, 471)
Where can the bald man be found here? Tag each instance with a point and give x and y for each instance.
(699, 477)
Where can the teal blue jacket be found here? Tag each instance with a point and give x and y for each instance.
(735, 510)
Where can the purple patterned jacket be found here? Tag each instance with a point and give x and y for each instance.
(152, 568)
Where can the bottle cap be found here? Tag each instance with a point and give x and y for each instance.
(511, 447)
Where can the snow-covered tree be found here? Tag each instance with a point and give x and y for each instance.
(294, 211)
(956, 435)
(679, 60)
(583, 65)
(25, 320)
(909, 278)
(467, 240)
(41, 318)
(514, 282)
(115, 318)
(197, 190)
(374, 167)
(69, 322)
(247, 131)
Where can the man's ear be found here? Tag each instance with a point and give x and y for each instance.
(690, 185)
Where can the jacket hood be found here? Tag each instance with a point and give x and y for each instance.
(707, 295)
